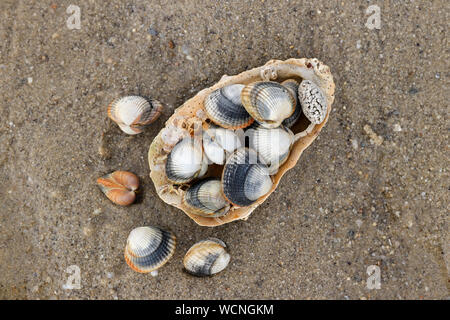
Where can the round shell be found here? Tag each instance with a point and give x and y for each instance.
(313, 101)
(205, 198)
(134, 113)
(292, 86)
(149, 248)
(245, 178)
(206, 257)
(273, 145)
(185, 161)
(223, 106)
(268, 102)
(305, 133)
(119, 187)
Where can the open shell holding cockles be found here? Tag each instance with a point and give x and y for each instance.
(272, 95)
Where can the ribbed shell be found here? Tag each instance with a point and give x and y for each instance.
(223, 106)
(205, 198)
(268, 102)
(245, 178)
(206, 257)
(149, 248)
(313, 101)
(185, 161)
(292, 86)
(134, 113)
(119, 187)
(273, 145)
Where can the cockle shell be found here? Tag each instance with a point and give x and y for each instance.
(185, 161)
(134, 113)
(304, 131)
(205, 198)
(292, 86)
(119, 187)
(273, 145)
(224, 107)
(245, 178)
(268, 102)
(206, 257)
(149, 248)
(313, 101)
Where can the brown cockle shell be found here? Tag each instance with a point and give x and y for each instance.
(192, 114)
(119, 187)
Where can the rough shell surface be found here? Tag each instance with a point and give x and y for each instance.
(245, 178)
(313, 101)
(149, 248)
(206, 257)
(119, 187)
(205, 198)
(224, 107)
(191, 110)
(268, 102)
(134, 113)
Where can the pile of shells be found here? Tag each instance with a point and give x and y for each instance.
(224, 151)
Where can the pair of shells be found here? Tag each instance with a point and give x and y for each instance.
(134, 113)
(119, 187)
(149, 248)
(245, 178)
(269, 103)
(305, 131)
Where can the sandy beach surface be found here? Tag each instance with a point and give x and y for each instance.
(372, 190)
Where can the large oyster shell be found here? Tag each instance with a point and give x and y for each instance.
(191, 113)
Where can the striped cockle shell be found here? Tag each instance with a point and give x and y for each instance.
(268, 102)
(313, 101)
(205, 198)
(223, 106)
(134, 113)
(149, 248)
(245, 177)
(119, 186)
(273, 145)
(206, 257)
(292, 86)
(185, 161)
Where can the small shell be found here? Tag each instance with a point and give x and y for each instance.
(223, 106)
(313, 101)
(273, 145)
(206, 257)
(185, 161)
(245, 178)
(292, 86)
(205, 198)
(134, 113)
(217, 142)
(119, 187)
(149, 248)
(269, 103)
